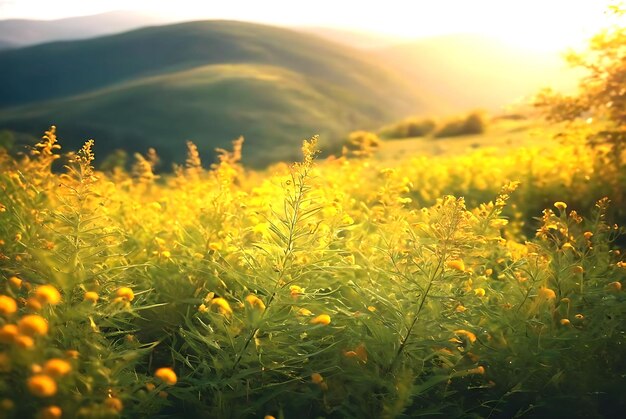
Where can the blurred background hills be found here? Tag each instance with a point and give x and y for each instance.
(132, 81)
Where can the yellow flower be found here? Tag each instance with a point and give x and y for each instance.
(57, 367)
(323, 319)
(24, 342)
(8, 333)
(223, 306)
(456, 264)
(114, 403)
(16, 282)
(47, 294)
(579, 316)
(296, 291)
(50, 412)
(167, 375)
(565, 322)
(478, 370)
(33, 324)
(480, 292)
(33, 304)
(615, 286)
(359, 352)
(305, 312)
(269, 417)
(255, 301)
(125, 293)
(561, 206)
(7, 305)
(577, 269)
(317, 378)
(42, 385)
(546, 293)
(91, 297)
(469, 335)
(460, 308)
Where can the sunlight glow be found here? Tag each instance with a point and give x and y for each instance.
(533, 24)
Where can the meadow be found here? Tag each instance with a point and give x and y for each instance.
(486, 283)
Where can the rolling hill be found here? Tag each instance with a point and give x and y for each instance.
(208, 81)
(24, 32)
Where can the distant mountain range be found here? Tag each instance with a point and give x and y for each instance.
(208, 81)
(23, 32)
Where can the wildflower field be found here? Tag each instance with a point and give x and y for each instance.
(479, 285)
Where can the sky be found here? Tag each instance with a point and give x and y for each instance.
(534, 24)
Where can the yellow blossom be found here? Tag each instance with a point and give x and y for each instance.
(47, 294)
(222, 305)
(316, 378)
(114, 403)
(305, 312)
(50, 412)
(8, 332)
(561, 206)
(33, 304)
(91, 297)
(565, 322)
(460, 308)
(615, 286)
(7, 305)
(323, 319)
(480, 292)
(469, 335)
(125, 293)
(167, 375)
(546, 293)
(33, 324)
(255, 302)
(16, 282)
(359, 352)
(478, 370)
(296, 291)
(57, 367)
(456, 264)
(24, 342)
(42, 385)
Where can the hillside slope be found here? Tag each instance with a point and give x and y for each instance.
(207, 81)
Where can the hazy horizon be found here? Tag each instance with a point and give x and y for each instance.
(537, 25)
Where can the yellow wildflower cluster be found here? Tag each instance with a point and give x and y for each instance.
(330, 280)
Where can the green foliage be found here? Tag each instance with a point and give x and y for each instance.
(361, 144)
(474, 123)
(319, 289)
(411, 127)
(601, 92)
